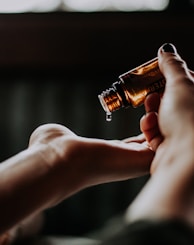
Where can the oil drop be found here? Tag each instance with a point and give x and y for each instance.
(108, 116)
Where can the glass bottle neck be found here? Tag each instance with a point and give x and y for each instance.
(113, 98)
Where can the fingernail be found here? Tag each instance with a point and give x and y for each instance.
(168, 48)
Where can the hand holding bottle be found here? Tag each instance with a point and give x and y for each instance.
(169, 129)
(171, 118)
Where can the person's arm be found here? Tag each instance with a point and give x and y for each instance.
(163, 212)
(59, 163)
(169, 192)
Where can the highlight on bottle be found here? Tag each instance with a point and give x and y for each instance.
(132, 87)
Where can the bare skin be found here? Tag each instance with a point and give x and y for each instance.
(169, 128)
(58, 163)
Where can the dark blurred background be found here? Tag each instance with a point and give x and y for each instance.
(53, 66)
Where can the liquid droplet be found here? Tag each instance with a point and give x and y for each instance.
(108, 116)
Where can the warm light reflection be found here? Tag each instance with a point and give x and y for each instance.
(16, 6)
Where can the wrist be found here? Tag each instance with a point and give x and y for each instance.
(169, 192)
(67, 162)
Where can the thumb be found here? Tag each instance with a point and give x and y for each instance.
(173, 66)
(178, 99)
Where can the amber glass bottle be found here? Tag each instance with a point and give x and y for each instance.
(132, 87)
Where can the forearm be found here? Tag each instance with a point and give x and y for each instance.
(57, 165)
(29, 183)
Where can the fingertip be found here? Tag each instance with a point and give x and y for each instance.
(149, 121)
(168, 48)
(152, 102)
(172, 66)
(149, 127)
